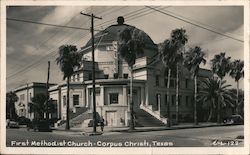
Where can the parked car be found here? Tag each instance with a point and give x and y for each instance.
(23, 120)
(39, 125)
(91, 123)
(10, 123)
(234, 119)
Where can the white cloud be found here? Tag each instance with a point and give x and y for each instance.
(10, 50)
(30, 50)
(61, 15)
(232, 48)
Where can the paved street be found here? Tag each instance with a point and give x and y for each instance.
(211, 136)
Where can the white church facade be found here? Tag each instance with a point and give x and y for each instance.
(112, 83)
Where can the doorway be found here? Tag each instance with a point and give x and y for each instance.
(111, 118)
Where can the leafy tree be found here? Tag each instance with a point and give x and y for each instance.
(38, 105)
(237, 73)
(193, 58)
(11, 98)
(214, 94)
(130, 46)
(171, 51)
(68, 60)
(220, 67)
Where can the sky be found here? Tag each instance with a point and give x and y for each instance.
(31, 46)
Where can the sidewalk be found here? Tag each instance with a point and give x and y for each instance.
(109, 130)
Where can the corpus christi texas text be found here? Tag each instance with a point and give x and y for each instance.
(44, 143)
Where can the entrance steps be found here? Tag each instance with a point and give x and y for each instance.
(144, 119)
(156, 114)
(78, 117)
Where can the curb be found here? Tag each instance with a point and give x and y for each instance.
(169, 128)
(141, 130)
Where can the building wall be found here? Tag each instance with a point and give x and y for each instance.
(157, 92)
(24, 98)
(25, 93)
(60, 96)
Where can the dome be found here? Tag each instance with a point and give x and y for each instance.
(111, 34)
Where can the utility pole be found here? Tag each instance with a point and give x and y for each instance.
(93, 67)
(47, 95)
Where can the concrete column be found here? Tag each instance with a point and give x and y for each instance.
(146, 95)
(101, 96)
(87, 98)
(142, 95)
(125, 97)
(84, 96)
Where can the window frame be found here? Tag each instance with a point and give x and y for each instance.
(78, 99)
(157, 80)
(113, 98)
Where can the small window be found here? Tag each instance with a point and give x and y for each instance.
(125, 76)
(187, 101)
(90, 76)
(173, 100)
(78, 77)
(172, 83)
(158, 100)
(74, 78)
(113, 98)
(157, 80)
(166, 82)
(76, 99)
(186, 83)
(179, 100)
(64, 100)
(166, 99)
(22, 97)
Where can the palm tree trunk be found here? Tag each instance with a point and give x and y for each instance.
(168, 98)
(210, 114)
(67, 106)
(212, 108)
(195, 100)
(11, 113)
(237, 99)
(132, 125)
(218, 107)
(177, 94)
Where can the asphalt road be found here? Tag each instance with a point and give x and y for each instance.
(198, 137)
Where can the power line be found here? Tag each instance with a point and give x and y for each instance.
(52, 36)
(40, 60)
(49, 54)
(201, 23)
(197, 25)
(29, 67)
(48, 24)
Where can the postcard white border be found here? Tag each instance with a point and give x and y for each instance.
(175, 150)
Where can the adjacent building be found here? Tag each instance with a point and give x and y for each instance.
(25, 94)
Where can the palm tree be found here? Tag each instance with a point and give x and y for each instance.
(220, 67)
(167, 57)
(212, 91)
(171, 55)
(130, 46)
(11, 98)
(179, 39)
(237, 73)
(193, 58)
(68, 60)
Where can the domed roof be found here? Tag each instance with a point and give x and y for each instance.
(111, 34)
